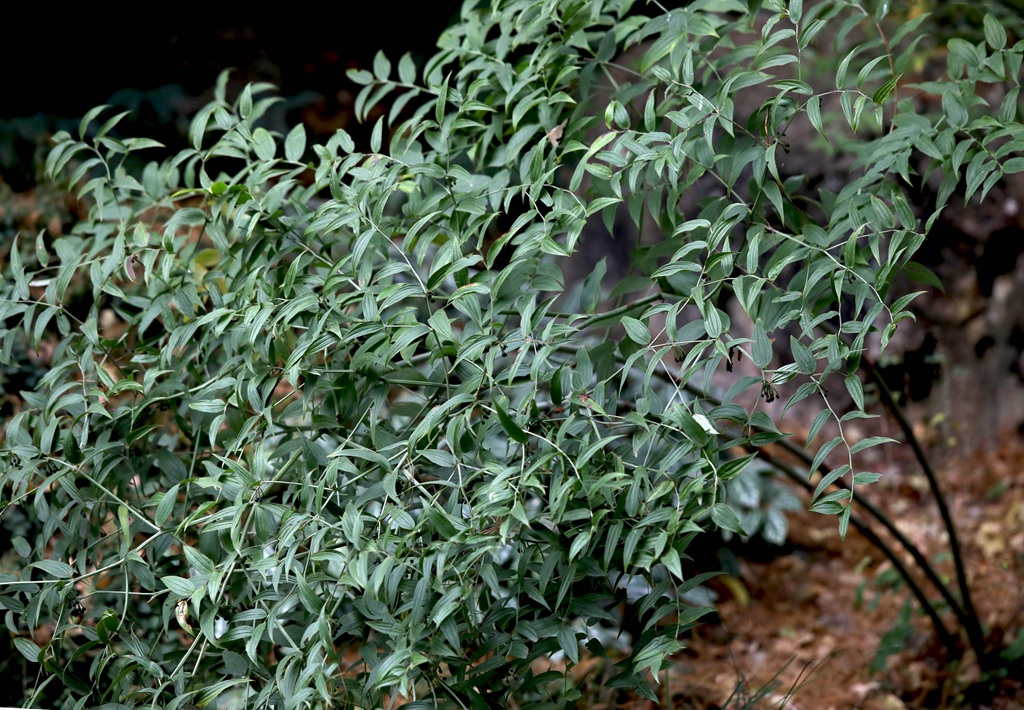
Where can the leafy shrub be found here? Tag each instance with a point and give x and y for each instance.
(326, 426)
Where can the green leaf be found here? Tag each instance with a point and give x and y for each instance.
(89, 117)
(673, 563)
(310, 599)
(376, 136)
(824, 451)
(733, 467)
(245, 102)
(828, 479)
(125, 525)
(21, 546)
(725, 518)
(28, 649)
(590, 294)
(883, 91)
(206, 696)
(829, 504)
(109, 125)
(598, 445)
(569, 643)
(442, 100)
(1013, 165)
(691, 427)
(407, 69)
(107, 627)
(762, 350)
(509, 424)
(922, 274)
(579, 544)
(803, 356)
(809, 31)
(601, 203)
(198, 561)
(953, 107)
(865, 71)
(1008, 108)
(814, 115)
(869, 442)
(853, 386)
(180, 586)
(995, 34)
(381, 67)
(61, 570)
(615, 116)
(295, 144)
(864, 478)
(557, 395)
(901, 303)
(796, 9)
(688, 226)
(844, 522)
(844, 65)
(263, 143)
(977, 171)
(359, 76)
(636, 330)
(210, 406)
(632, 540)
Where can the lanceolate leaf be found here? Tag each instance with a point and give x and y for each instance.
(509, 424)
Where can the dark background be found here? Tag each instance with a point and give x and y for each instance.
(162, 66)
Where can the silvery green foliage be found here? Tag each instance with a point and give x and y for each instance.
(325, 425)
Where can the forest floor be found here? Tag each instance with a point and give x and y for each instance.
(817, 619)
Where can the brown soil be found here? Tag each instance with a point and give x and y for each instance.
(811, 622)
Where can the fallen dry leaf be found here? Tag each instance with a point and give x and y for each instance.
(555, 134)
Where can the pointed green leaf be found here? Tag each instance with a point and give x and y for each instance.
(509, 424)
(442, 100)
(762, 350)
(733, 467)
(883, 91)
(89, 117)
(28, 649)
(995, 33)
(295, 144)
(636, 330)
(871, 441)
(814, 114)
(726, 519)
(381, 66)
(61, 570)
